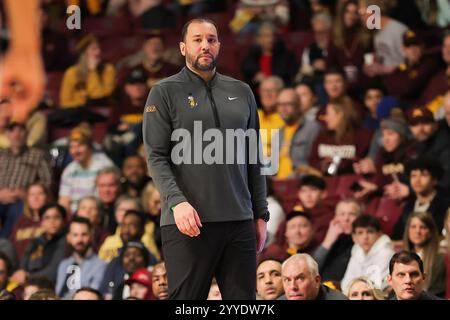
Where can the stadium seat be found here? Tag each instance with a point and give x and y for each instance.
(388, 212)
(54, 80)
(371, 206)
(286, 192)
(297, 41)
(332, 183)
(107, 27)
(116, 48)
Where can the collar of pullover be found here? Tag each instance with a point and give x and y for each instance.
(197, 79)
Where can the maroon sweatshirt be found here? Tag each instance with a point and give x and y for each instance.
(353, 148)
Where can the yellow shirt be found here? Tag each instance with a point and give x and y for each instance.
(268, 122)
(97, 86)
(286, 167)
(112, 244)
(37, 130)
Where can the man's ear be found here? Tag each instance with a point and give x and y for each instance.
(324, 195)
(183, 48)
(389, 280)
(318, 280)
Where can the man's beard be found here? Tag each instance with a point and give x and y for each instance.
(289, 119)
(205, 67)
(81, 250)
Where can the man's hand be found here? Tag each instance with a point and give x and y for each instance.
(20, 276)
(93, 63)
(367, 188)
(187, 219)
(261, 234)
(364, 166)
(24, 70)
(396, 191)
(334, 231)
(8, 196)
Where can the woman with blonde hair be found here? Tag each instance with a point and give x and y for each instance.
(422, 237)
(91, 80)
(445, 242)
(362, 288)
(28, 226)
(342, 142)
(89, 208)
(151, 203)
(445, 249)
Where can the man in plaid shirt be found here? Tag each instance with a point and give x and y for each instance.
(19, 167)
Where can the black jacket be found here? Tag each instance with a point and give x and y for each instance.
(437, 147)
(438, 208)
(219, 192)
(325, 293)
(423, 296)
(284, 64)
(333, 263)
(43, 256)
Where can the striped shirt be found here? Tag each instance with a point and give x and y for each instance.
(23, 169)
(78, 182)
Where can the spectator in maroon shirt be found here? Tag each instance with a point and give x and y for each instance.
(132, 99)
(440, 83)
(28, 227)
(350, 41)
(150, 59)
(313, 198)
(342, 142)
(391, 158)
(411, 77)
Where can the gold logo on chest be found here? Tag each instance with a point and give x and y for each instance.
(192, 102)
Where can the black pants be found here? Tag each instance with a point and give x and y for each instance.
(224, 250)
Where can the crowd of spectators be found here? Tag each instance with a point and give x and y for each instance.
(360, 205)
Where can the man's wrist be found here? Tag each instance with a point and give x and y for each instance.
(265, 217)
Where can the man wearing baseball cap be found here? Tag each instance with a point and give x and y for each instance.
(427, 140)
(411, 77)
(439, 84)
(132, 98)
(78, 178)
(140, 284)
(152, 59)
(20, 166)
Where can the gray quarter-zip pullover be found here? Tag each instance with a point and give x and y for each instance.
(219, 192)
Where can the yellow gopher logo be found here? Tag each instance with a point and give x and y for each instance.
(151, 108)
